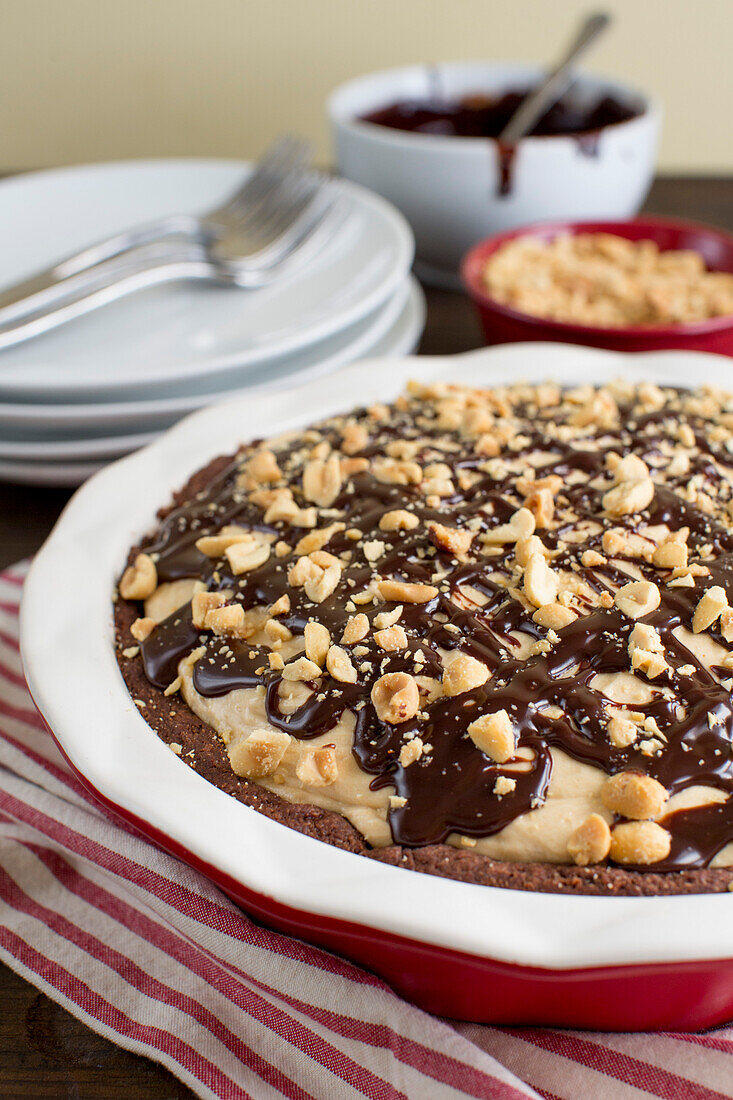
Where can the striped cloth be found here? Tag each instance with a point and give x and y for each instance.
(152, 956)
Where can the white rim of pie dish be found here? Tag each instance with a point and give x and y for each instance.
(69, 659)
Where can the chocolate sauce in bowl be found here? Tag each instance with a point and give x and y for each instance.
(483, 116)
(452, 787)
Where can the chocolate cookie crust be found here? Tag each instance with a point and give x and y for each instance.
(202, 748)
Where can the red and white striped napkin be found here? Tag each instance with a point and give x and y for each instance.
(151, 955)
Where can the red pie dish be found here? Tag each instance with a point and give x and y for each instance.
(502, 324)
(614, 960)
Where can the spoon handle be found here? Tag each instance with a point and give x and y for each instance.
(555, 83)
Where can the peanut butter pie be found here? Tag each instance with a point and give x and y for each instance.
(479, 633)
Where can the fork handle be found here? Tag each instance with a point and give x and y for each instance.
(107, 281)
(50, 287)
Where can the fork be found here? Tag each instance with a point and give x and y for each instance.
(253, 208)
(304, 217)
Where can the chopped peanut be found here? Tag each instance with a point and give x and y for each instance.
(303, 570)
(520, 526)
(622, 732)
(541, 583)
(354, 438)
(726, 624)
(629, 497)
(324, 584)
(464, 673)
(590, 842)
(670, 555)
(542, 506)
(339, 665)
(399, 520)
(373, 549)
(641, 842)
(214, 546)
(281, 606)
(633, 795)
(397, 472)
(493, 734)
(646, 649)
(230, 621)
(406, 592)
(139, 579)
(392, 638)
(388, 618)
(318, 767)
(637, 598)
(554, 616)
(396, 698)
(260, 754)
(355, 630)
(142, 628)
(323, 559)
(411, 752)
(302, 669)
(317, 539)
(322, 480)
(709, 609)
(202, 603)
(317, 642)
(525, 548)
(630, 468)
(452, 539)
(243, 557)
(263, 467)
(617, 542)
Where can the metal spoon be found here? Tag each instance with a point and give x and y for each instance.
(557, 81)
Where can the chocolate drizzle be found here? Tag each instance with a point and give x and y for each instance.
(550, 696)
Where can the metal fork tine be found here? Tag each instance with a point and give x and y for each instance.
(316, 211)
(284, 155)
(276, 215)
(315, 232)
(298, 208)
(313, 207)
(290, 201)
(274, 174)
(254, 217)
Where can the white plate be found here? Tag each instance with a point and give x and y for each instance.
(54, 474)
(45, 450)
(21, 421)
(401, 339)
(68, 653)
(185, 330)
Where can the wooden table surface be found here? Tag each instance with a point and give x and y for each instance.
(45, 1052)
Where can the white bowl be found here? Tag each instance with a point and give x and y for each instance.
(384, 916)
(448, 187)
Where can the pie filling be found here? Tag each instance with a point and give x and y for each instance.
(493, 618)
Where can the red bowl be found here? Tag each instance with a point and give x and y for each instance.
(503, 325)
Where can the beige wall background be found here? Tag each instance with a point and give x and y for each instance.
(84, 80)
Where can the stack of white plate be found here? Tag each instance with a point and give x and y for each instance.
(108, 383)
